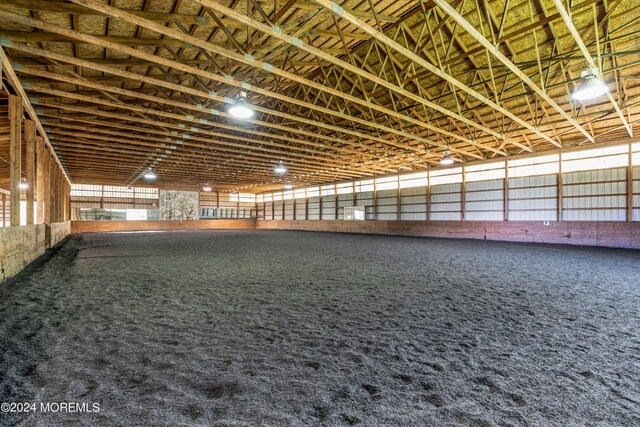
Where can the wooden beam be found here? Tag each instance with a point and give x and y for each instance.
(46, 195)
(39, 180)
(15, 157)
(12, 78)
(30, 142)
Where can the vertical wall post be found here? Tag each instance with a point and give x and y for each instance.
(630, 186)
(398, 202)
(295, 205)
(39, 180)
(15, 135)
(46, 194)
(335, 201)
(428, 195)
(283, 206)
(505, 215)
(4, 210)
(463, 193)
(306, 205)
(560, 187)
(353, 194)
(30, 148)
(374, 214)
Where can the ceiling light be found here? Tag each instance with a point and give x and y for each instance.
(591, 87)
(446, 160)
(288, 186)
(280, 168)
(149, 175)
(241, 109)
(206, 188)
(23, 184)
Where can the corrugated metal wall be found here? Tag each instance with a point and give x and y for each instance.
(533, 198)
(446, 202)
(594, 188)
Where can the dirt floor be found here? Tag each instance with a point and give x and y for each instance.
(245, 328)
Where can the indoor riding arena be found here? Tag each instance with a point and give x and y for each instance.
(320, 213)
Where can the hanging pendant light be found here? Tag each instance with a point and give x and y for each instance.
(206, 188)
(280, 168)
(23, 184)
(591, 87)
(149, 174)
(446, 160)
(288, 186)
(241, 109)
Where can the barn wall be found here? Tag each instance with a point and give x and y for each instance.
(19, 246)
(608, 234)
(203, 224)
(58, 231)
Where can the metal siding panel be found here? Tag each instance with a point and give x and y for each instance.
(414, 216)
(495, 184)
(446, 188)
(414, 191)
(414, 199)
(413, 208)
(444, 198)
(549, 215)
(445, 216)
(485, 195)
(483, 216)
(444, 207)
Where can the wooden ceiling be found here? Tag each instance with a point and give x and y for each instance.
(340, 91)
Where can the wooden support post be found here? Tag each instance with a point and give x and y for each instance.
(505, 215)
(354, 197)
(560, 188)
(46, 195)
(39, 180)
(374, 214)
(399, 202)
(238, 206)
(15, 135)
(4, 210)
(428, 195)
(335, 201)
(295, 206)
(283, 206)
(630, 186)
(30, 148)
(54, 184)
(306, 205)
(463, 194)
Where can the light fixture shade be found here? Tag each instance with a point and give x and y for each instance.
(280, 168)
(149, 175)
(240, 109)
(23, 184)
(446, 160)
(288, 186)
(206, 188)
(591, 87)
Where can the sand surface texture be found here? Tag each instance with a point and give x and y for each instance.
(246, 328)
